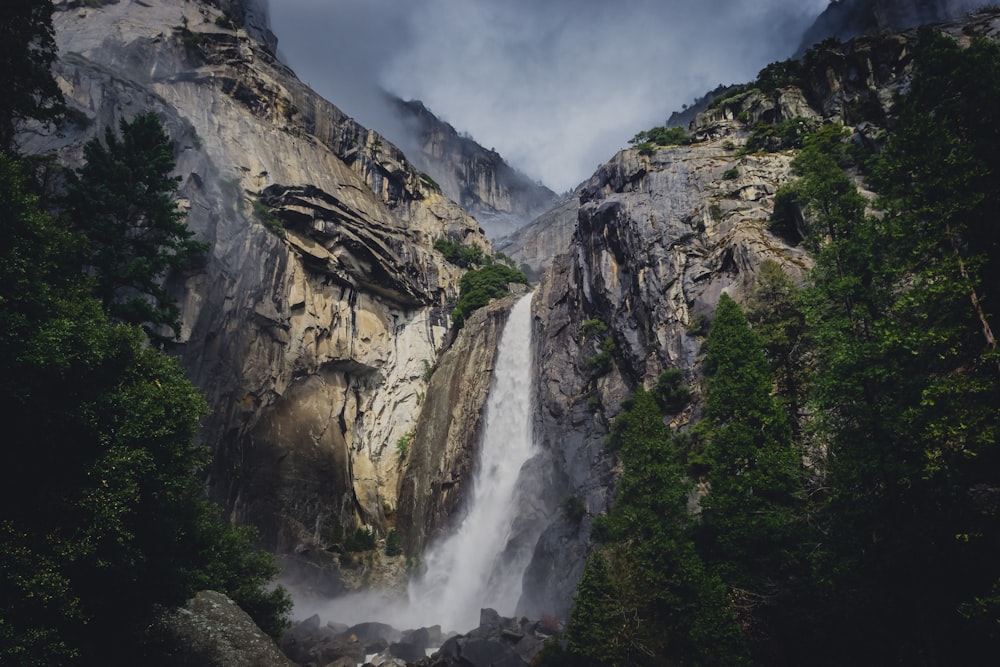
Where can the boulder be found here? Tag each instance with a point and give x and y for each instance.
(211, 630)
(310, 642)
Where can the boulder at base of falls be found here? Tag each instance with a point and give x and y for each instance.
(211, 630)
(309, 642)
(498, 641)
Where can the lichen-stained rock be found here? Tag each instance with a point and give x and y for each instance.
(310, 321)
(211, 630)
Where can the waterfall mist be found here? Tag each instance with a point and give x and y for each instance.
(472, 567)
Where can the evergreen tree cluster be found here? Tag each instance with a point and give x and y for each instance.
(103, 520)
(845, 469)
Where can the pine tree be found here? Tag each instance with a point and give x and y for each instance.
(752, 532)
(777, 318)
(121, 201)
(101, 513)
(27, 53)
(668, 605)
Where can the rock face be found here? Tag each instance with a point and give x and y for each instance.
(321, 300)
(844, 19)
(211, 630)
(501, 198)
(657, 240)
(535, 245)
(497, 641)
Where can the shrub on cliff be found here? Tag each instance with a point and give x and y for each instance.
(480, 286)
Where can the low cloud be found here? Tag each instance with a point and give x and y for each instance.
(557, 86)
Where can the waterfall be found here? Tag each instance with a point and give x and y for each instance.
(482, 563)
(465, 572)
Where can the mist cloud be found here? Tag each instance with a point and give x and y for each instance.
(555, 86)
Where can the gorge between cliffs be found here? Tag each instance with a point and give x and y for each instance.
(730, 400)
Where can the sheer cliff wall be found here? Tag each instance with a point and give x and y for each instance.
(312, 318)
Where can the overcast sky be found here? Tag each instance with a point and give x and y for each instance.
(555, 86)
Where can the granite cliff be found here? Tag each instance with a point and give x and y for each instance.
(501, 198)
(318, 323)
(311, 321)
(657, 239)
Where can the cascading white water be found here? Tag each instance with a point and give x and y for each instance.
(463, 572)
(471, 568)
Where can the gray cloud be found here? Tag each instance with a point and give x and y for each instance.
(556, 86)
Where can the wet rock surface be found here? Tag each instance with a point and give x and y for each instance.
(496, 641)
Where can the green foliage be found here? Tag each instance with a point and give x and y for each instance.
(272, 223)
(121, 203)
(593, 328)
(699, 325)
(774, 137)
(777, 316)
(831, 200)
(647, 597)
(480, 286)
(504, 259)
(362, 539)
(105, 521)
(907, 383)
(786, 218)
(661, 136)
(465, 256)
(27, 53)
(573, 509)
(670, 391)
(750, 525)
(733, 96)
(430, 182)
(393, 544)
(594, 635)
(780, 75)
(601, 361)
(404, 443)
(731, 174)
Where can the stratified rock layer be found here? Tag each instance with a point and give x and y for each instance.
(321, 299)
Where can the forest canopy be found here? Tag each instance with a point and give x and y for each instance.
(103, 520)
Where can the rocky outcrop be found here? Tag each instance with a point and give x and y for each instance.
(310, 322)
(497, 641)
(501, 198)
(657, 240)
(212, 631)
(534, 246)
(845, 19)
(440, 461)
